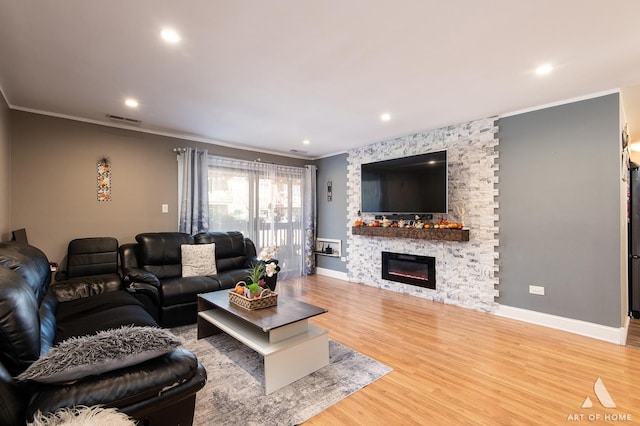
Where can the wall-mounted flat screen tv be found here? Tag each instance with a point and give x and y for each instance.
(416, 185)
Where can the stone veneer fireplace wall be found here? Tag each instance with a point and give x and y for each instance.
(467, 272)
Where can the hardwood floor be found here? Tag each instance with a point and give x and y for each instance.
(457, 366)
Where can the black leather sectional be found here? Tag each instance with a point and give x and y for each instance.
(104, 286)
(35, 316)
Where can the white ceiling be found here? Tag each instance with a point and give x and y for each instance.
(268, 74)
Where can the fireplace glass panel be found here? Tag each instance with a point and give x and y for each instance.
(409, 269)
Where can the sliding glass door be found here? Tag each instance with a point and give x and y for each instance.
(264, 202)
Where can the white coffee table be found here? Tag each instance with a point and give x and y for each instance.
(291, 346)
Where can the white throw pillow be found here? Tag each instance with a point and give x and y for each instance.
(198, 260)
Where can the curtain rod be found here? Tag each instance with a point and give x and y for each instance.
(258, 160)
(182, 150)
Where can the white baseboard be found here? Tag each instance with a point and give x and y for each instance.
(333, 274)
(583, 328)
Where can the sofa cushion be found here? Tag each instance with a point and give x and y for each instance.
(198, 260)
(92, 256)
(231, 248)
(229, 278)
(229, 263)
(228, 244)
(186, 289)
(108, 350)
(160, 252)
(100, 312)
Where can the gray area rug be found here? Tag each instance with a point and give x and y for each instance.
(234, 393)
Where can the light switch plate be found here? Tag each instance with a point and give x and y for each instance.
(536, 289)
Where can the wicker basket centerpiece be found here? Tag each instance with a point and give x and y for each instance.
(243, 296)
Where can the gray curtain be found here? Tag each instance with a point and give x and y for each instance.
(193, 190)
(309, 221)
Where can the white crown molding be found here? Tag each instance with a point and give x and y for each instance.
(563, 102)
(583, 328)
(330, 155)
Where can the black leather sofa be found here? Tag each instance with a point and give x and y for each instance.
(35, 316)
(152, 270)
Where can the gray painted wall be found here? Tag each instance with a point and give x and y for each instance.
(560, 215)
(53, 191)
(331, 214)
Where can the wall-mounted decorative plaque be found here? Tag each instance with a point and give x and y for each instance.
(104, 179)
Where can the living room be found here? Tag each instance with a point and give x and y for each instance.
(555, 216)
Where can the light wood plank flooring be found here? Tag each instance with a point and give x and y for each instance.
(457, 366)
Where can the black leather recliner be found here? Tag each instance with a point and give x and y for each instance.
(158, 391)
(92, 265)
(89, 257)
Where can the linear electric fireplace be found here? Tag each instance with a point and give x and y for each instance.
(409, 269)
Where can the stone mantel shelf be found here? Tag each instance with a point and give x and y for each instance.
(421, 234)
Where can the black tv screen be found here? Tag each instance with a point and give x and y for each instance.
(416, 184)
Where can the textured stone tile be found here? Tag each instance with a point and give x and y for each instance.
(466, 272)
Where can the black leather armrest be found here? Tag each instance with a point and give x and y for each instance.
(76, 288)
(12, 400)
(139, 275)
(148, 290)
(141, 385)
(143, 409)
(145, 286)
(61, 275)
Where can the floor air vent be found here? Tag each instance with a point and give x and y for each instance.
(125, 120)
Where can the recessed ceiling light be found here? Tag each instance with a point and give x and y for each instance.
(131, 103)
(170, 36)
(385, 117)
(306, 141)
(544, 69)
